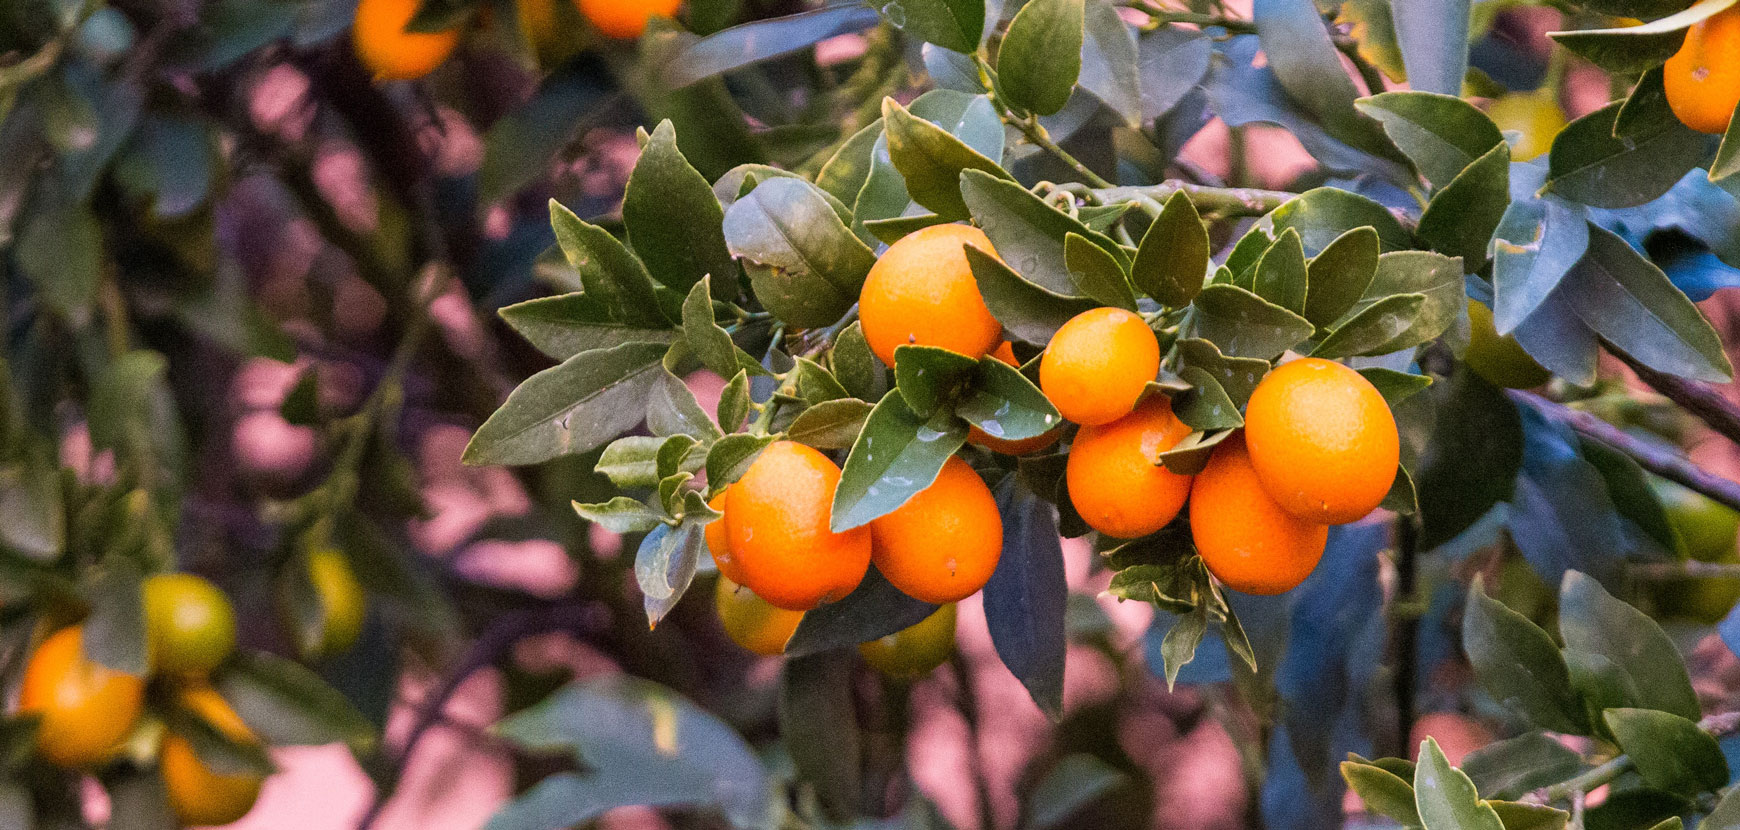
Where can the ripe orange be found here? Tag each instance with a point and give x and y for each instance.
(625, 19)
(915, 651)
(922, 292)
(776, 521)
(1703, 78)
(752, 622)
(86, 709)
(1112, 476)
(190, 624)
(1025, 446)
(719, 542)
(392, 53)
(942, 545)
(1245, 538)
(1323, 441)
(200, 795)
(1096, 366)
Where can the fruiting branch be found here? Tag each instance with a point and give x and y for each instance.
(1659, 459)
(1718, 726)
(1226, 201)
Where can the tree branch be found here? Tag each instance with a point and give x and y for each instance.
(1657, 458)
(1718, 726)
(1700, 399)
(1228, 201)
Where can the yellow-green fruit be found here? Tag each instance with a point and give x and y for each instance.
(1708, 530)
(343, 603)
(1537, 115)
(913, 652)
(1497, 358)
(190, 624)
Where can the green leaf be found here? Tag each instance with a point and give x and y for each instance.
(674, 222)
(1191, 454)
(589, 399)
(929, 377)
(832, 425)
(897, 455)
(1395, 386)
(1096, 274)
(733, 402)
(1727, 161)
(522, 146)
(709, 342)
(1441, 134)
(844, 173)
(1589, 165)
(1040, 59)
(818, 725)
(1519, 664)
(1522, 816)
(671, 409)
(1644, 106)
(1320, 216)
(631, 461)
(1726, 816)
(1173, 257)
(568, 324)
(1514, 767)
(1305, 62)
(610, 275)
(61, 251)
(855, 366)
(1178, 647)
(1110, 62)
(287, 704)
(805, 264)
(816, 384)
(621, 515)
(1237, 376)
(1005, 404)
(1076, 781)
(698, 59)
(1242, 324)
(1206, 406)
(1027, 233)
(1461, 217)
(731, 456)
(1670, 752)
(1647, 664)
(32, 512)
(956, 25)
(1433, 39)
(1280, 276)
(664, 566)
(1446, 798)
(1634, 49)
(931, 160)
(114, 633)
(1372, 329)
(1627, 300)
(1437, 277)
(1028, 312)
(873, 610)
(1383, 792)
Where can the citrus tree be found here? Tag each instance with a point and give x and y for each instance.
(966, 297)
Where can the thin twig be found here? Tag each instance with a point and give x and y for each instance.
(1227, 201)
(1657, 458)
(1718, 726)
(1700, 399)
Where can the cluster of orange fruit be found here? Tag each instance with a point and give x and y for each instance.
(1703, 77)
(394, 54)
(86, 711)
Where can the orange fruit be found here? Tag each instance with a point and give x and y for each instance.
(200, 795)
(753, 622)
(190, 624)
(1096, 366)
(719, 542)
(625, 19)
(1703, 78)
(1247, 541)
(943, 544)
(1112, 474)
(776, 521)
(1536, 115)
(86, 709)
(343, 602)
(1024, 446)
(390, 52)
(922, 292)
(1499, 358)
(1323, 441)
(916, 650)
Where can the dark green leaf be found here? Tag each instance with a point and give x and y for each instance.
(1172, 259)
(1519, 664)
(1238, 376)
(833, 425)
(1242, 324)
(1462, 216)
(674, 223)
(897, 455)
(1040, 59)
(1109, 67)
(611, 276)
(1442, 134)
(1206, 406)
(621, 515)
(1522, 816)
(1027, 596)
(1077, 780)
(731, 456)
(1373, 328)
(1383, 792)
(1670, 752)
(671, 409)
(1589, 165)
(1280, 276)
(1096, 274)
(1305, 61)
(856, 367)
(1005, 404)
(1396, 386)
(1519, 765)
(568, 324)
(929, 377)
(1446, 798)
(816, 384)
(1027, 311)
(665, 565)
(1190, 455)
(845, 172)
(287, 704)
(931, 160)
(1320, 216)
(707, 340)
(1028, 233)
(956, 25)
(759, 40)
(1471, 459)
(587, 400)
(873, 610)
(1627, 300)
(1632, 49)
(1437, 277)
(1178, 648)
(807, 266)
(818, 724)
(734, 402)
(32, 512)
(114, 634)
(61, 251)
(1647, 664)
(521, 147)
